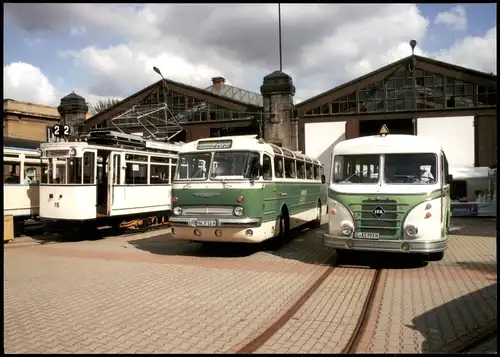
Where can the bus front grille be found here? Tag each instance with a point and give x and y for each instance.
(379, 216)
(207, 210)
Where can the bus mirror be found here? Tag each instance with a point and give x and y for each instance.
(256, 170)
(449, 178)
(323, 179)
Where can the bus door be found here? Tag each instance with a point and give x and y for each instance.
(89, 175)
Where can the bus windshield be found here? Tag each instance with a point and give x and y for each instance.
(222, 165)
(233, 164)
(348, 169)
(193, 166)
(416, 169)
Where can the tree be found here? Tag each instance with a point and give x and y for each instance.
(102, 105)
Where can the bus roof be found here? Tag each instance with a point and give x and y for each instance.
(377, 144)
(244, 143)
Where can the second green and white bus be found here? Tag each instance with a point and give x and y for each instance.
(242, 189)
(389, 193)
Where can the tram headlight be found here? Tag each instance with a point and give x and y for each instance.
(177, 211)
(411, 230)
(72, 152)
(346, 229)
(238, 211)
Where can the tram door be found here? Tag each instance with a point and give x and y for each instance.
(102, 181)
(115, 178)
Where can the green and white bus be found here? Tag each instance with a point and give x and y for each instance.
(389, 193)
(242, 189)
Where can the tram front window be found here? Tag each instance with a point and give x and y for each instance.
(59, 176)
(74, 170)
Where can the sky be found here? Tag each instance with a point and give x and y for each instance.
(103, 51)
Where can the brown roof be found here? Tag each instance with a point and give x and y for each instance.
(473, 72)
(144, 93)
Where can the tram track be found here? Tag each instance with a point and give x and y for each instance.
(262, 336)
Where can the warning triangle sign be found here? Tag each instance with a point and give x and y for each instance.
(383, 130)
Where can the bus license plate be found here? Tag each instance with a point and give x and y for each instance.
(366, 235)
(205, 223)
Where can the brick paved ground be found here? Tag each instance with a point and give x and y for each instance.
(148, 294)
(327, 320)
(423, 310)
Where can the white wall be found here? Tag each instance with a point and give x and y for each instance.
(320, 138)
(456, 134)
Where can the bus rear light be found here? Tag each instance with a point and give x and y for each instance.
(428, 215)
(239, 199)
(174, 199)
(334, 211)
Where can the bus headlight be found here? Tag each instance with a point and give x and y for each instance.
(72, 152)
(177, 211)
(238, 211)
(346, 229)
(411, 230)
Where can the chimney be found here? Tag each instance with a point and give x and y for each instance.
(218, 81)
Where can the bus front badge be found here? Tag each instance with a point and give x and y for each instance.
(378, 212)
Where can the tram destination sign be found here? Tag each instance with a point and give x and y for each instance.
(215, 144)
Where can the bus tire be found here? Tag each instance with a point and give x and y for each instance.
(436, 257)
(317, 222)
(284, 226)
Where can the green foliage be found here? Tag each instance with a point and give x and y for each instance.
(102, 105)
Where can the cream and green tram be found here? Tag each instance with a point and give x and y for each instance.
(389, 193)
(242, 189)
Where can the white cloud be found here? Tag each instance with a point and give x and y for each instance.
(479, 53)
(456, 18)
(324, 45)
(24, 82)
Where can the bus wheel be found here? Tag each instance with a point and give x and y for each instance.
(284, 228)
(317, 222)
(436, 257)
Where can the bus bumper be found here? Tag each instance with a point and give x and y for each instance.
(242, 230)
(381, 245)
(221, 222)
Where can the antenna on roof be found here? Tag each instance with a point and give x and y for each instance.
(279, 36)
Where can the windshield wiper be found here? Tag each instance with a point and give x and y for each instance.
(354, 174)
(199, 171)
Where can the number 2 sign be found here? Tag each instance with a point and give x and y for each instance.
(61, 130)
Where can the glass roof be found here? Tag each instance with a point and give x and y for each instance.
(238, 94)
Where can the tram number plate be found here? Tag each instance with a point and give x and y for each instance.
(205, 223)
(366, 235)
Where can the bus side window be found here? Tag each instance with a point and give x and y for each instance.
(289, 168)
(317, 175)
(301, 170)
(310, 171)
(278, 166)
(267, 173)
